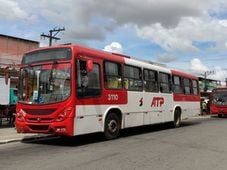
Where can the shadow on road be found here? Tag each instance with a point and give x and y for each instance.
(98, 137)
(217, 117)
(154, 128)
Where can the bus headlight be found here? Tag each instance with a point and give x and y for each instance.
(62, 116)
(20, 115)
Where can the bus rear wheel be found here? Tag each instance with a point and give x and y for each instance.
(177, 118)
(112, 126)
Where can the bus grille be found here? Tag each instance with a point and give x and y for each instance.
(43, 120)
(40, 111)
(39, 127)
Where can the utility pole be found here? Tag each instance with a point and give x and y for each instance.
(52, 34)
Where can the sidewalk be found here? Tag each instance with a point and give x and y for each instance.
(9, 134)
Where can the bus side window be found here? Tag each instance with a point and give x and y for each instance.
(164, 82)
(88, 84)
(126, 83)
(112, 75)
(195, 87)
(187, 86)
(150, 81)
(133, 78)
(177, 84)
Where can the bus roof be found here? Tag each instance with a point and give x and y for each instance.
(118, 58)
(183, 74)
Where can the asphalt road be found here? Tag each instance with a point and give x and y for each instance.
(198, 144)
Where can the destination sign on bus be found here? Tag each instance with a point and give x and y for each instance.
(47, 55)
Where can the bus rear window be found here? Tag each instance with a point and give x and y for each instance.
(47, 55)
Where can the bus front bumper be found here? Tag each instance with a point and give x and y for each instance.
(218, 110)
(64, 128)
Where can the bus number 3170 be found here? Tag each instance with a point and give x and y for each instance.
(112, 97)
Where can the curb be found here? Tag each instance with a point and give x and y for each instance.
(201, 116)
(9, 141)
(25, 139)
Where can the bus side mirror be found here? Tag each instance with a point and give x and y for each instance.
(89, 66)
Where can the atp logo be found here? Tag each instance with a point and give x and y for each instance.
(157, 102)
(141, 101)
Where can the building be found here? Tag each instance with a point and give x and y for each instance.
(13, 48)
(11, 52)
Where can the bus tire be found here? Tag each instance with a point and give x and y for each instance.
(177, 118)
(112, 126)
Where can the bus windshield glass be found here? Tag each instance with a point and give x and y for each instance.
(47, 55)
(220, 98)
(44, 84)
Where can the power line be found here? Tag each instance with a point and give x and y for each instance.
(52, 34)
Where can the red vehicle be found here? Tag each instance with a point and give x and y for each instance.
(72, 90)
(218, 102)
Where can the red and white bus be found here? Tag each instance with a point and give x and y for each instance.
(72, 90)
(218, 101)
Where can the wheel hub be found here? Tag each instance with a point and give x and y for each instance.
(112, 126)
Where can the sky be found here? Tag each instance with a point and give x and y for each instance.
(189, 35)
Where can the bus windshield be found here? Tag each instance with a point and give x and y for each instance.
(220, 98)
(44, 84)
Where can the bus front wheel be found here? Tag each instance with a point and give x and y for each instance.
(112, 126)
(177, 118)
